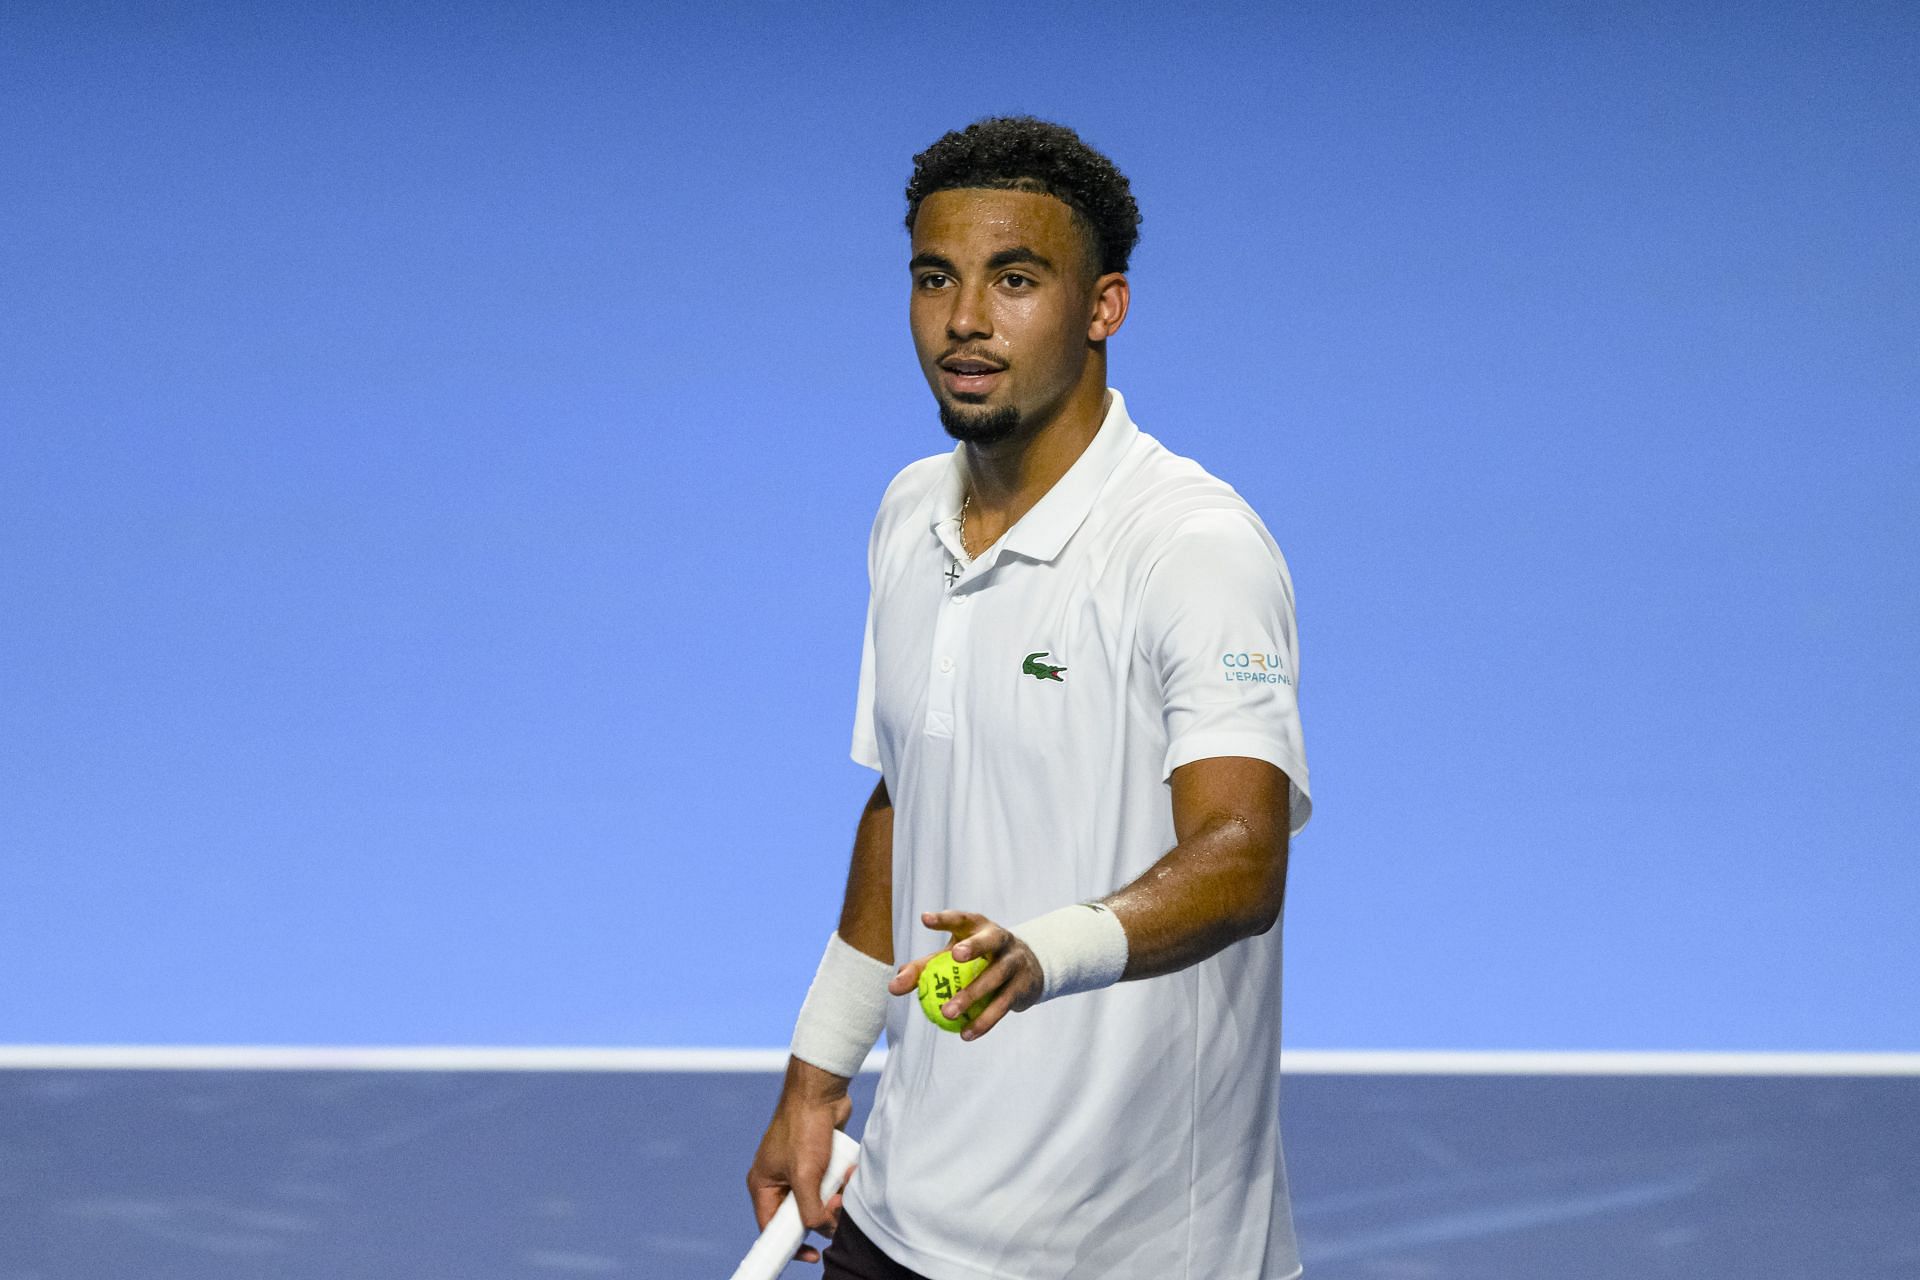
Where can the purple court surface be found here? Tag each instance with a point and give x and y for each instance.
(472, 1175)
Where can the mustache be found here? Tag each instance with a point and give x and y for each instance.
(980, 357)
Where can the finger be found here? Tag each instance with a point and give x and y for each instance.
(1017, 984)
(766, 1200)
(957, 923)
(807, 1174)
(984, 984)
(990, 1016)
(907, 976)
(809, 1253)
(989, 939)
(765, 1188)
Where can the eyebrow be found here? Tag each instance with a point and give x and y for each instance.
(1015, 256)
(1005, 258)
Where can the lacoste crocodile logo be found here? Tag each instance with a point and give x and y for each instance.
(1039, 670)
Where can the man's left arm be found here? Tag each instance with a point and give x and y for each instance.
(1233, 741)
(1225, 880)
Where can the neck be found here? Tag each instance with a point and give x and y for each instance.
(1006, 478)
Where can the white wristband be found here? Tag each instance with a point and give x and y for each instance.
(1080, 948)
(845, 1008)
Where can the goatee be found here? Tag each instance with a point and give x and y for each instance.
(979, 426)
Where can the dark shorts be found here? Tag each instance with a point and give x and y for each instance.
(852, 1256)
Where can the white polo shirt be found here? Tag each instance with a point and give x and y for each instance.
(1026, 711)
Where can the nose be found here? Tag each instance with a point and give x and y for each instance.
(970, 317)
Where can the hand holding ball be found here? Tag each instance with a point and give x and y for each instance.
(942, 980)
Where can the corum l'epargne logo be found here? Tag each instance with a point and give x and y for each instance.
(1254, 667)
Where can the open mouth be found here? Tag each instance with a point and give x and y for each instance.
(967, 376)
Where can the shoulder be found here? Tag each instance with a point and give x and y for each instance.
(911, 488)
(1164, 505)
(903, 507)
(1200, 564)
(913, 485)
(916, 480)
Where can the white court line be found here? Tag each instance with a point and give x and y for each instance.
(1296, 1062)
(1418, 1062)
(391, 1058)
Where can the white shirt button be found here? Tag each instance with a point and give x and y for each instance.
(946, 665)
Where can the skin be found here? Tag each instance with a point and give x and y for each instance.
(1007, 279)
(814, 1102)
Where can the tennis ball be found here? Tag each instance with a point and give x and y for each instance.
(942, 979)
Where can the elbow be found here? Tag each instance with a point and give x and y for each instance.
(1267, 892)
(1260, 906)
(1263, 917)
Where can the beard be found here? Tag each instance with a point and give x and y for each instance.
(979, 426)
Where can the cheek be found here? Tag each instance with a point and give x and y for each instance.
(927, 333)
(1053, 337)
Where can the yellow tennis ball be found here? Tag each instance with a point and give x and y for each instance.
(943, 979)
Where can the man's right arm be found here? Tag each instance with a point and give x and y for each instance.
(866, 914)
(813, 1101)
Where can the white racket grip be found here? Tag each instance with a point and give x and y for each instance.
(781, 1240)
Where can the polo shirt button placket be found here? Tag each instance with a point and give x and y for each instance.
(949, 638)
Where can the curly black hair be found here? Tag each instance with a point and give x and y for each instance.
(1021, 153)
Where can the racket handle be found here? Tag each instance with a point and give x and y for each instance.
(781, 1240)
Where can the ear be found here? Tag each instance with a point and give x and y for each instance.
(1110, 298)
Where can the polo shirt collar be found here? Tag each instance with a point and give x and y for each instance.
(1044, 530)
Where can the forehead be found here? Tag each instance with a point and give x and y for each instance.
(978, 222)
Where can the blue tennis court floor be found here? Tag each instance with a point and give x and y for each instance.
(473, 1175)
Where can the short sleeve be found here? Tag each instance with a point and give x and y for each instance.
(1217, 625)
(866, 742)
(866, 737)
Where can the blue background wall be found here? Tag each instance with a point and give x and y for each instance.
(438, 446)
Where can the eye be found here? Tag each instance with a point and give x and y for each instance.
(932, 280)
(1014, 280)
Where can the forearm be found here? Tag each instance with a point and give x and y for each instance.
(846, 1004)
(1225, 880)
(866, 912)
(1204, 895)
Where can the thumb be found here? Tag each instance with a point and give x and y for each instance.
(809, 1168)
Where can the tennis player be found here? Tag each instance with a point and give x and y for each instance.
(1078, 687)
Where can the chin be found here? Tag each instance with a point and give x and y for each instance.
(977, 424)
